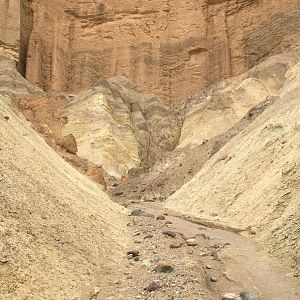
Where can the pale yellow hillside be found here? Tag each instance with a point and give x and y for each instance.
(254, 180)
(60, 235)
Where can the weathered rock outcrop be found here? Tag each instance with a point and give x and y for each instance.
(56, 226)
(211, 118)
(119, 126)
(171, 47)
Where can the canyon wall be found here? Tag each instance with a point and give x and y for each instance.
(10, 26)
(172, 47)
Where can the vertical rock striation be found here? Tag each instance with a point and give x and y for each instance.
(172, 48)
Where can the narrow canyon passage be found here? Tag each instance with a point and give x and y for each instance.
(149, 150)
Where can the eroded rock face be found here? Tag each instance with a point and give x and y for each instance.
(171, 47)
(119, 126)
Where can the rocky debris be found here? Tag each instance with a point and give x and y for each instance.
(149, 236)
(163, 268)
(6, 118)
(161, 218)
(133, 254)
(168, 233)
(248, 296)
(230, 296)
(176, 246)
(118, 193)
(191, 242)
(68, 142)
(213, 279)
(153, 286)
(140, 213)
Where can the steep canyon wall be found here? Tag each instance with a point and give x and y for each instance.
(171, 47)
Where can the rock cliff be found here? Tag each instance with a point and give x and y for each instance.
(172, 48)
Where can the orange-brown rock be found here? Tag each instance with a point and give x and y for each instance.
(171, 47)
(68, 142)
(10, 26)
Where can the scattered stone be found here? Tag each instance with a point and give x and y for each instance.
(96, 291)
(163, 269)
(169, 233)
(6, 118)
(169, 222)
(176, 246)
(209, 267)
(114, 184)
(213, 279)
(192, 242)
(230, 296)
(248, 296)
(157, 258)
(253, 230)
(140, 213)
(133, 253)
(148, 236)
(153, 286)
(136, 258)
(161, 218)
(120, 193)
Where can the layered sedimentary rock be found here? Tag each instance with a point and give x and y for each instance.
(56, 225)
(171, 47)
(253, 181)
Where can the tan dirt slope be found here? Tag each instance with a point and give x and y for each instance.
(254, 180)
(57, 228)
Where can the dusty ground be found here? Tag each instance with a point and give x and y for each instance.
(221, 262)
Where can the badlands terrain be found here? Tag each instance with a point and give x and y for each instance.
(150, 150)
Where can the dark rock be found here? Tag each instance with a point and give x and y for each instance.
(169, 233)
(133, 253)
(248, 296)
(120, 193)
(163, 269)
(169, 222)
(153, 286)
(6, 118)
(176, 246)
(139, 213)
(136, 258)
(69, 143)
(161, 218)
(148, 236)
(136, 213)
